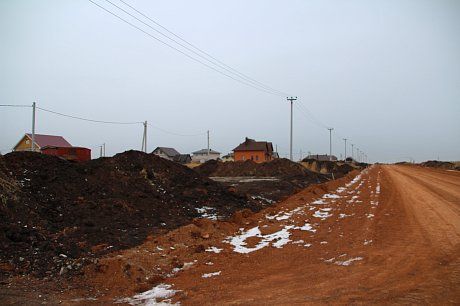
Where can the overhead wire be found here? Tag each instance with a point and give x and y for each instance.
(202, 54)
(86, 119)
(182, 52)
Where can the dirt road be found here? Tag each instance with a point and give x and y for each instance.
(391, 235)
(387, 235)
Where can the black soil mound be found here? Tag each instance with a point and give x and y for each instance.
(333, 167)
(440, 164)
(55, 215)
(280, 167)
(288, 178)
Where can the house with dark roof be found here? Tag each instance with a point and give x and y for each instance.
(165, 152)
(40, 141)
(202, 156)
(182, 158)
(258, 151)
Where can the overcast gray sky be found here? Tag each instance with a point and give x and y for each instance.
(384, 74)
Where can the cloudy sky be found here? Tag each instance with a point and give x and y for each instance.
(384, 74)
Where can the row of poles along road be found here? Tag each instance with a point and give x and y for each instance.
(360, 156)
(355, 152)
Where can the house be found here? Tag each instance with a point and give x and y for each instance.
(228, 158)
(41, 141)
(203, 155)
(322, 157)
(258, 151)
(70, 153)
(53, 145)
(182, 158)
(167, 153)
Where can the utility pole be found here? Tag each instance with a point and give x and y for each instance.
(103, 151)
(208, 141)
(291, 99)
(32, 148)
(345, 156)
(144, 138)
(352, 152)
(100, 152)
(330, 143)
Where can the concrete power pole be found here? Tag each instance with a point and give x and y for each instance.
(32, 148)
(144, 138)
(291, 99)
(352, 152)
(330, 143)
(208, 142)
(345, 156)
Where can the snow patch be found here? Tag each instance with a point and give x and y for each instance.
(158, 295)
(208, 275)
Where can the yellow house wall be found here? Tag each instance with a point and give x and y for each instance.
(24, 146)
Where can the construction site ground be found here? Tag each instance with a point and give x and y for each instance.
(387, 234)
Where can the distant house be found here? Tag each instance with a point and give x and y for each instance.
(322, 157)
(182, 158)
(53, 145)
(70, 153)
(40, 141)
(228, 158)
(258, 151)
(167, 153)
(202, 155)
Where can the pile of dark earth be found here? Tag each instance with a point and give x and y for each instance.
(440, 164)
(267, 182)
(333, 168)
(56, 216)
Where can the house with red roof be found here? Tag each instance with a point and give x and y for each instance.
(53, 145)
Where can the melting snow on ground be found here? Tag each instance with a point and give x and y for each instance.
(207, 212)
(158, 295)
(347, 262)
(213, 249)
(277, 239)
(208, 275)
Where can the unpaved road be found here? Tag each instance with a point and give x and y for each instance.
(389, 235)
(400, 245)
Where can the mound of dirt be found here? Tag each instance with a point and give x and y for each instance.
(55, 215)
(280, 167)
(338, 169)
(267, 182)
(440, 164)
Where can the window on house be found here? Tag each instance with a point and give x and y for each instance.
(252, 157)
(257, 157)
(244, 157)
(27, 141)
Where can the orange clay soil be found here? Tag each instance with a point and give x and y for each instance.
(389, 235)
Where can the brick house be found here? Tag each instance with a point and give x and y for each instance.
(258, 151)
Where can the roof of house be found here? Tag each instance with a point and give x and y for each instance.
(50, 140)
(182, 158)
(205, 151)
(321, 157)
(252, 145)
(170, 152)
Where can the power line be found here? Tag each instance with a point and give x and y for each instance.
(182, 52)
(86, 119)
(118, 122)
(215, 60)
(15, 105)
(177, 134)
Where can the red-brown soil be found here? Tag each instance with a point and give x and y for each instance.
(390, 237)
